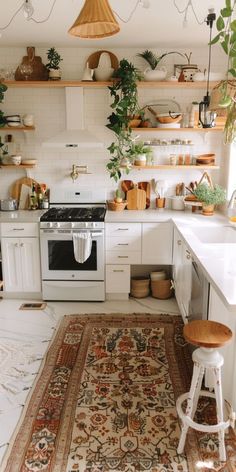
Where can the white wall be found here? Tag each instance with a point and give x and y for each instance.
(48, 107)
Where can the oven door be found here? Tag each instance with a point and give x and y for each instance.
(58, 261)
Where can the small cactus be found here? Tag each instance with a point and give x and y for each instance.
(118, 197)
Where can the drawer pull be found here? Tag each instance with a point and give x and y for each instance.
(116, 270)
(122, 244)
(123, 229)
(18, 229)
(123, 257)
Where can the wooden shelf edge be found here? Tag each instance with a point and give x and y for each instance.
(17, 128)
(13, 166)
(168, 166)
(97, 84)
(199, 130)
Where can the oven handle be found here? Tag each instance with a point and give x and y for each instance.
(68, 231)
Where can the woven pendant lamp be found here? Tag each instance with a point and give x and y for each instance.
(95, 20)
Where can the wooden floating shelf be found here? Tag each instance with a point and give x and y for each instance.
(199, 130)
(17, 128)
(94, 84)
(21, 166)
(168, 166)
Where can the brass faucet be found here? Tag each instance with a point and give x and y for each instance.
(76, 170)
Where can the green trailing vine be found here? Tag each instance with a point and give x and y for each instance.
(3, 89)
(125, 104)
(226, 37)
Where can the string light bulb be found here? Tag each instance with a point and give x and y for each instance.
(28, 9)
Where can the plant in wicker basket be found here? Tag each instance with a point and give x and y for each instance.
(226, 36)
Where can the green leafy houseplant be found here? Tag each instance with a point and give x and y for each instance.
(210, 195)
(226, 36)
(124, 106)
(3, 89)
(153, 59)
(54, 59)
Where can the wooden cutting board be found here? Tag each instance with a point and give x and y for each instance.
(15, 189)
(147, 187)
(136, 199)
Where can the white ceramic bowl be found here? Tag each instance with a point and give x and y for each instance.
(177, 202)
(159, 275)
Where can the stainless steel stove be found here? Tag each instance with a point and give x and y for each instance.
(73, 211)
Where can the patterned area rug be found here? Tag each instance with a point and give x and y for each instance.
(105, 401)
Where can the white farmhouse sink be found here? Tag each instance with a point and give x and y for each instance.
(216, 235)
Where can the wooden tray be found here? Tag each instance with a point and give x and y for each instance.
(93, 60)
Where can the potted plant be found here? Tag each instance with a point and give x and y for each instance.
(209, 196)
(54, 60)
(3, 89)
(153, 60)
(225, 92)
(124, 106)
(140, 151)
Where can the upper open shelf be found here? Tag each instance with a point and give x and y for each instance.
(94, 84)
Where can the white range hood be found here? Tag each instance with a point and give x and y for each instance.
(75, 136)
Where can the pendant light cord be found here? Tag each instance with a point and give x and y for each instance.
(131, 14)
(185, 11)
(2, 28)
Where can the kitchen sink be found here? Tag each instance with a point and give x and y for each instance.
(216, 235)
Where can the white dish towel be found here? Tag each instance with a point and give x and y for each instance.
(82, 243)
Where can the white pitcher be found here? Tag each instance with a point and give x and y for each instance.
(104, 70)
(88, 73)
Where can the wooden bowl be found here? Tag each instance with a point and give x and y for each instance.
(169, 119)
(205, 159)
(134, 123)
(114, 206)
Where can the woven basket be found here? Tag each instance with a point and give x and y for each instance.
(140, 287)
(114, 206)
(161, 289)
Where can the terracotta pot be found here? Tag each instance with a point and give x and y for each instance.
(207, 210)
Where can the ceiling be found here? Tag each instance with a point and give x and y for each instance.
(159, 26)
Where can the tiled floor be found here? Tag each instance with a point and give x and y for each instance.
(25, 336)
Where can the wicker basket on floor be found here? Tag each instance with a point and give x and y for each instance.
(161, 289)
(140, 287)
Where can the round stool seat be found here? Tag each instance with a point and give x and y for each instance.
(206, 333)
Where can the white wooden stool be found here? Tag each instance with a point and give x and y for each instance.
(208, 335)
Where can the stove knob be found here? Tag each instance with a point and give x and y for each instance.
(72, 225)
(49, 225)
(56, 225)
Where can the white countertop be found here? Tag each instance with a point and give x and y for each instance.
(21, 216)
(218, 261)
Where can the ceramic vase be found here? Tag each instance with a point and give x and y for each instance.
(104, 71)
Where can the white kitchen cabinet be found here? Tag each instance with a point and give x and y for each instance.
(117, 278)
(182, 270)
(157, 240)
(21, 264)
(219, 312)
(123, 248)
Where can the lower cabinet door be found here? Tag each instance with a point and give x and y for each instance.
(117, 278)
(11, 265)
(21, 264)
(157, 241)
(30, 263)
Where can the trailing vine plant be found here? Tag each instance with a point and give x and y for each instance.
(226, 37)
(3, 89)
(125, 104)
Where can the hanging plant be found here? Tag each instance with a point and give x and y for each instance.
(226, 37)
(125, 105)
(3, 89)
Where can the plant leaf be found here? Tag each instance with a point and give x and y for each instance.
(232, 72)
(228, 4)
(220, 24)
(233, 25)
(226, 12)
(216, 38)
